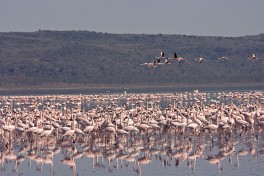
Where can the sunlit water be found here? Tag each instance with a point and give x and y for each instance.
(165, 152)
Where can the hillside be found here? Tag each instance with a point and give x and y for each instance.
(64, 58)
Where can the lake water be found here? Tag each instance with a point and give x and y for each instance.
(121, 89)
(157, 152)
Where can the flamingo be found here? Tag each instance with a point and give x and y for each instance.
(253, 57)
(162, 55)
(200, 59)
(49, 161)
(158, 61)
(147, 118)
(47, 133)
(216, 159)
(179, 59)
(89, 129)
(152, 64)
(143, 126)
(241, 152)
(69, 133)
(71, 163)
(223, 58)
(9, 128)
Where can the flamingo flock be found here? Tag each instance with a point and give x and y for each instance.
(163, 60)
(131, 130)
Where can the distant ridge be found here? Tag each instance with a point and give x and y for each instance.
(65, 58)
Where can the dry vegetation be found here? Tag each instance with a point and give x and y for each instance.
(59, 58)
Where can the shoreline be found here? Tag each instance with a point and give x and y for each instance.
(138, 86)
(93, 89)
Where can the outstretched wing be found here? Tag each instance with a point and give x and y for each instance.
(157, 61)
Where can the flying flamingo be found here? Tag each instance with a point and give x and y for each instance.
(254, 57)
(158, 61)
(149, 64)
(223, 58)
(200, 59)
(162, 55)
(179, 59)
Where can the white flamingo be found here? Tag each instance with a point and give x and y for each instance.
(200, 59)
(253, 57)
(223, 58)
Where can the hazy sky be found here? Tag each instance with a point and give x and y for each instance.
(190, 17)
